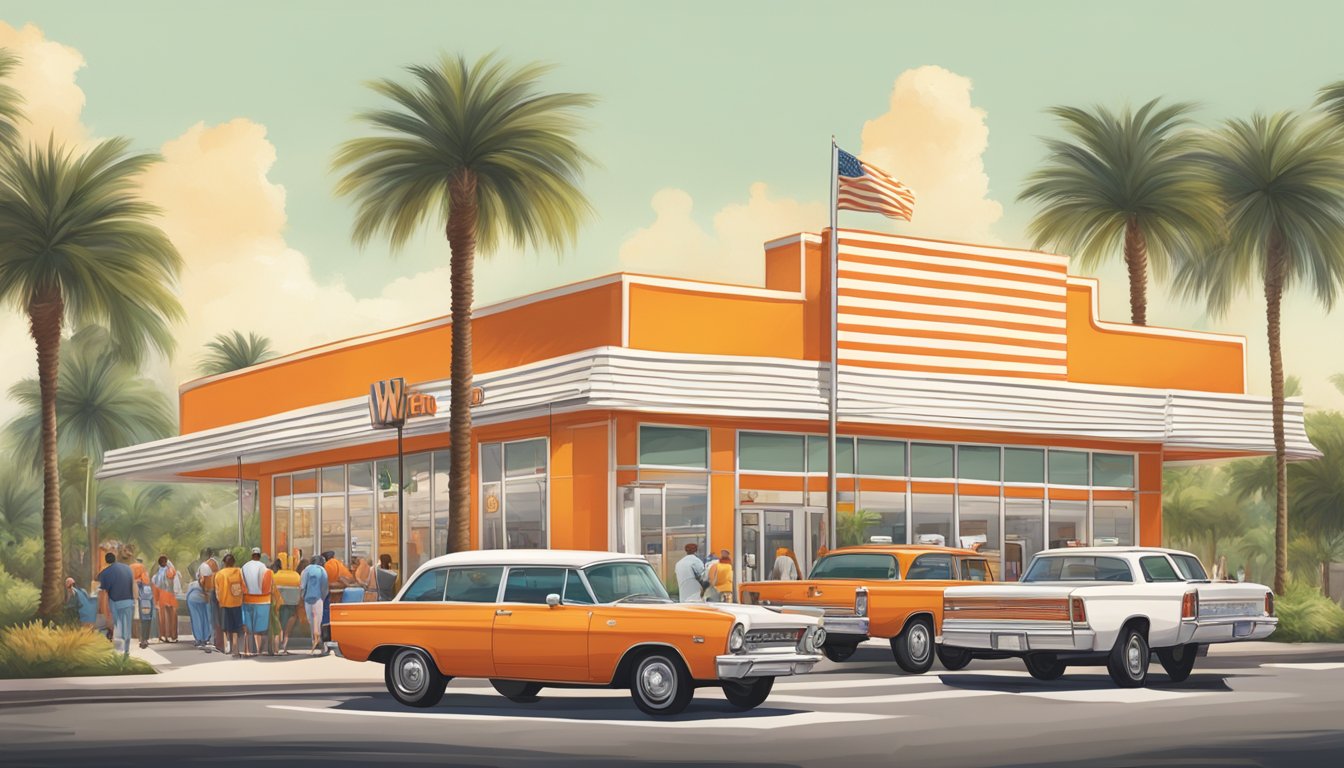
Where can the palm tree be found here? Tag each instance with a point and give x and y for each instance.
(10, 112)
(1124, 182)
(481, 151)
(1281, 180)
(77, 242)
(233, 351)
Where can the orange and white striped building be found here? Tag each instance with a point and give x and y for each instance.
(982, 402)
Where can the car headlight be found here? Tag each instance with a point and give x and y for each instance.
(737, 638)
(818, 639)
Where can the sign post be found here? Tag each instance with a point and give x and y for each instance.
(387, 409)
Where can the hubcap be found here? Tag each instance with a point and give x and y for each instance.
(411, 676)
(657, 682)
(1134, 657)
(919, 642)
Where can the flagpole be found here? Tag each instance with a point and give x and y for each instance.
(832, 498)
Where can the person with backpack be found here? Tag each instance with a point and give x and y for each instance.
(229, 592)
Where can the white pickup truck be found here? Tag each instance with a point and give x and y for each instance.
(1087, 606)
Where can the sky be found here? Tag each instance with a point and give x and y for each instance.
(711, 133)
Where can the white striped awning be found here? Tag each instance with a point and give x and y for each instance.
(617, 378)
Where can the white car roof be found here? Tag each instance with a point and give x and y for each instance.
(566, 558)
(1112, 551)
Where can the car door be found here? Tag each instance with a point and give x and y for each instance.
(456, 632)
(925, 580)
(536, 641)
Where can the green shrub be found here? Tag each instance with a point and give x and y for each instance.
(1307, 616)
(18, 599)
(24, 560)
(38, 650)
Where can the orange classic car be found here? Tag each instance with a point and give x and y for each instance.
(881, 590)
(526, 619)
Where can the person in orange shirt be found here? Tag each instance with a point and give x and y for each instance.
(338, 578)
(229, 591)
(286, 596)
(165, 594)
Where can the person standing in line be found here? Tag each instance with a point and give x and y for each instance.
(166, 585)
(363, 571)
(313, 589)
(117, 587)
(287, 589)
(257, 587)
(785, 569)
(721, 578)
(229, 592)
(202, 629)
(82, 602)
(386, 578)
(338, 579)
(144, 595)
(690, 573)
(206, 576)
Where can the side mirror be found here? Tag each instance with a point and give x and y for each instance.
(552, 599)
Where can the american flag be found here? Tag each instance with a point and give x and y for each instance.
(864, 188)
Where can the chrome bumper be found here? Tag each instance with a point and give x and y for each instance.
(845, 627)
(1015, 636)
(739, 666)
(1227, 629)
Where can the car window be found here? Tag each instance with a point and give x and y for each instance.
(975, 570)
(856, 566)
(532, 585)
(474, 585)
(1190, 567)
(931, 568)
(1078, 568)
(1158, 568)
(617, 581)
(575, 592)
(427, 587)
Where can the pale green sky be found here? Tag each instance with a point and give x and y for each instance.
(707, 97)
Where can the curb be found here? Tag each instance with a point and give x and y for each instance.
(194, 691)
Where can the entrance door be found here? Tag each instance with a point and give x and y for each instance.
(762, 532)
(639, 524)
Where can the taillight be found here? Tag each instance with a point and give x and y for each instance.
(860, 602)
(1190, 605)
(1269, 603)
(1077, 612)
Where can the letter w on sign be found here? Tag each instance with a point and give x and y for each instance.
(387, 403)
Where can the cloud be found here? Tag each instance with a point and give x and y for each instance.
(934, 140)
(676, 244)
(45, 76)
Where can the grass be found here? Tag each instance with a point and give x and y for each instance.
(40, 650)
(1307, 616)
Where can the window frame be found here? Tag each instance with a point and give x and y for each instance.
(952, 566)
(583, 582)
(962, 570)
(1177, 577)
(503, 483)
(443, 569)
(639, 447)
(508, 571)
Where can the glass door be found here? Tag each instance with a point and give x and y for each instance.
(649, 511)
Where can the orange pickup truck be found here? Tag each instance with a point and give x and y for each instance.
(881, 590)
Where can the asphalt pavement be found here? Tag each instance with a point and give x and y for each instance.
(1285, 709)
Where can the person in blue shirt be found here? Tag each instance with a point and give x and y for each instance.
(313, 588)
(118, 584)
(82, 602)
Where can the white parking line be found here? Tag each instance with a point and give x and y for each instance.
(1314, 667)
(748, 722)
(941, 694)
(1119, 695)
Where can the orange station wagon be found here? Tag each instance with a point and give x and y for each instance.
(881, 590)
(527, 619)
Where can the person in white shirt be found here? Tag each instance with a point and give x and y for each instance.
(690, 572)
(785, 569)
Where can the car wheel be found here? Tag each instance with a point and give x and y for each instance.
(913, 648)
(839, 652)
(660, 684)
(517, 691)
(1044, 666)
(953, 659)
(414, 679)
(1128, 663)
(1179, 661)
(748, 694)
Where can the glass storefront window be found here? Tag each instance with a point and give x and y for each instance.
(514, 508)
(931, 516)
(525, 458)
(673, 447)
(418, 510)
(389, 523)
(1068, 524)
(360, 477)
(770, 452)
(280, 518)
(818, 462)
(1024, 535)
(1068, 467)
(305, 526)
(672, 516)
(305, 482)
(1113, 523)
(978, 518)
(978, 462)
(361, 528)
(931, 460)
(441, 467)
(880, 513)
(333, 479)
(1023, 465)
(492, 514)
(881, 458)
(333, 526)
(1113, 470)
(492, 462)
(525, 514)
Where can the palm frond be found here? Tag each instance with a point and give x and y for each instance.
(11, 103)
(1337, 379)
(233, 351)
(1331, 100)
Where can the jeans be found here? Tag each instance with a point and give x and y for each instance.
(202, 628)
(123, 612)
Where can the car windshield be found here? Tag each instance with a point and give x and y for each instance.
(1190, 567)
(856, 566)
(1078, 568)
(625, 581)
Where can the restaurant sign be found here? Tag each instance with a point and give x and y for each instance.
(392, 403)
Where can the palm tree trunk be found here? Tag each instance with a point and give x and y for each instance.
(462, 241)
(1274, 275)
(45, 314)
(1136, 259)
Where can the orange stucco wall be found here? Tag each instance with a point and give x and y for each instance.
(675, 320)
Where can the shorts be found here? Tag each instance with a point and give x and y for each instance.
(313, 612)
(286, 613)
(233, 618)
(257, 617)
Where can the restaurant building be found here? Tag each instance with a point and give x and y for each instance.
(982, 402)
